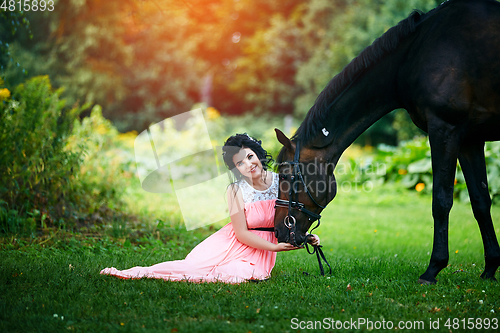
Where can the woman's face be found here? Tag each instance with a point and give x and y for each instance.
(247, 163)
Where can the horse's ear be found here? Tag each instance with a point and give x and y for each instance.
(283, 139)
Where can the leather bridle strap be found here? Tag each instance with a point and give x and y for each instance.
(299, 174)
(298, 206)
(296, 173)
(289, 220)
(263, 229)
(319, 252)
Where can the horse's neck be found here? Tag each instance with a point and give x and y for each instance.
(365, 101)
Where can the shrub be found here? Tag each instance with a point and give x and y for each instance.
(107, 163)
(35, 167)
(409, 164)
(55, 170)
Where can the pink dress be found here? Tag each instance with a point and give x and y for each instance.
(221, 257)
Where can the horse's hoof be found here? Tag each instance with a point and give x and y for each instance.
(425, 282)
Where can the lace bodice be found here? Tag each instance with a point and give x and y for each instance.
(251, 195)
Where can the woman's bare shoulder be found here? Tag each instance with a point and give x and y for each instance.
(234, 192)
(233, 188)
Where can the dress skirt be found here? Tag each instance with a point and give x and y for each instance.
(220, 257)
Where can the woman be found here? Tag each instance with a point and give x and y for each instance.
(244, 249)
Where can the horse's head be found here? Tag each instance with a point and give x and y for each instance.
(307, 185)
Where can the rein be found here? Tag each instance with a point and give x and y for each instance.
(290, 221)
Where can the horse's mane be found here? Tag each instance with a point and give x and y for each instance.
(389, 41)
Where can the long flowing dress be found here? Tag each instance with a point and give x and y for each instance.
(221, 257)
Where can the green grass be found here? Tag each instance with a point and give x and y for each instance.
(378, 243)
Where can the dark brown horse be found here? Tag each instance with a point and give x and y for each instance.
(443, 67)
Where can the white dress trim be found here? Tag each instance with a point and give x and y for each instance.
(251, 195)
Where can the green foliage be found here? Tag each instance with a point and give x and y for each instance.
(336, 33)
(492, 155)
(409, 165)
(341, 32)
(143, 60)
(58, 171)
(404, 127)
(273, 54)
(35, 167)
(107, 166)
(55, 170)
(147, 60)
(130, 56)
(10, 22)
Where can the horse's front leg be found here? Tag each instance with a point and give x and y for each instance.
(444, 151)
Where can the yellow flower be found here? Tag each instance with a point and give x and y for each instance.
(402, 172)
(419, 187)
(212, 113)
(4, 94)
(101, 129)
(128, 138)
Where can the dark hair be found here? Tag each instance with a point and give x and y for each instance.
(233, 145)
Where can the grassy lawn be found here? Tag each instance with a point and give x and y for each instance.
(378, 244)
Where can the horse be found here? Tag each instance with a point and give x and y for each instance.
(443, 68)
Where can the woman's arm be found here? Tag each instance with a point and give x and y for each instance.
(238, 220)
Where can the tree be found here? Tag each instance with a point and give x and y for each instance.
(10, 23)
(343, 32)
(143, 60)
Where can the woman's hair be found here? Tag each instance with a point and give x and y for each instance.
(233, 145)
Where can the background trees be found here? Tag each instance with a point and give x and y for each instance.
(147, 60)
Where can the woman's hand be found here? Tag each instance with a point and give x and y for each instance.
(285, 247)
(313, 239)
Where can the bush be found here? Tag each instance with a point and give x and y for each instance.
(55, 170)
(106, 166)
(409, 164)
(35, 167)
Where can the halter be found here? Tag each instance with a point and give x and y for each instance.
(289, 220)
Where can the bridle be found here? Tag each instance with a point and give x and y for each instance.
(295, 178)
(292, 203)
